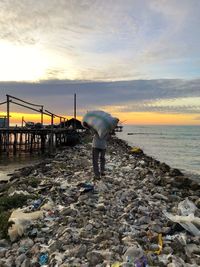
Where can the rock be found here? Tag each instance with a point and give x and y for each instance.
(26, 263)
(175, 172)
(192, 248)
(19, 260)
(27, 243)
(101, 207)
(94, 258)
(156, 228)
(164, 167)
(160, 196)
(56, 246)
(35, 249)
(197, 203)
(10, 262)
(3, 252)
(69, 211)
(4, 243)
(81, 252)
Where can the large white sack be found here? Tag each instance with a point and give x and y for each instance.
(100, 121)
(21, 221)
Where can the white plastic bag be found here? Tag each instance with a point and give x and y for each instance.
(100, 121)
(186, 207)
(187, 219)
(21, 221)
(186, 222)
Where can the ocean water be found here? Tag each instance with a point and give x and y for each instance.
(12, 163)
(178, 146)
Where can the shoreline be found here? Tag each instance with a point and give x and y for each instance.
(16, 162)
(121, 215)
(191, 175)
(13, 167)
(172, 146)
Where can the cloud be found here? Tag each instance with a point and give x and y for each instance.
(46, 19)
(165, 96)
(105, 40)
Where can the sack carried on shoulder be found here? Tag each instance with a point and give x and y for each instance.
(100, 121)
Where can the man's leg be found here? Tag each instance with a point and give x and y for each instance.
(102, 161)
(95, 160)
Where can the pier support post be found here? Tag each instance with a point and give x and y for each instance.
(42, 115)
(8, 123)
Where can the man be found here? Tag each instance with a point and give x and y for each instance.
(98, 152)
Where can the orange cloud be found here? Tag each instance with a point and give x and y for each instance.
(16, 118)
(138, 118)
(151, 118)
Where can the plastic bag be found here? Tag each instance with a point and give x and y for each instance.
(186, 207)
(100, 121)
(43, 259)
(187, 219)
(136, 150)
(21, 221)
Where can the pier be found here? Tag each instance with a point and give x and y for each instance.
(37, 137)
(30, 137)
(30, 140)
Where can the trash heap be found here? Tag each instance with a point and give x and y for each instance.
(142, 213)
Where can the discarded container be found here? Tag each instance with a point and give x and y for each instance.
(43, 259)
(142, 262)
(86, 187)
(133, 254)
(159, 246)
(117, 264)
(136, 150)
(37, 203)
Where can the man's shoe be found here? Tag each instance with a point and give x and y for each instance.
(97, 177)
(103, 174)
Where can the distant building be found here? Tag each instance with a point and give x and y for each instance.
(29, 124)
(72, 123)
(3, 122)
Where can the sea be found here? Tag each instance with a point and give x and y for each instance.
(8, 164)
(177, 146)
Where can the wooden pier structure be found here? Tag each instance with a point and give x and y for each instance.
(34, 138)
(30, 140)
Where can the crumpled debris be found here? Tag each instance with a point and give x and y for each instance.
(187, 219)
(43, 259)
(77, 227)
(85, 187)
(21, 221)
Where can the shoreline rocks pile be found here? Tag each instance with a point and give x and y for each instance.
(119, 220)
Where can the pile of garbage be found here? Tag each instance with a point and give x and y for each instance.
(142, 213)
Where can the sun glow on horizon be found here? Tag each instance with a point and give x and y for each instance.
(153, 118)
(16, 118)
(126, 118)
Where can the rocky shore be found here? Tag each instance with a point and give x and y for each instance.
(142, 213)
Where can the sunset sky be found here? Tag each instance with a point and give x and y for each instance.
(137, 59)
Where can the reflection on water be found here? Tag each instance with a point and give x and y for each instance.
(9, 163)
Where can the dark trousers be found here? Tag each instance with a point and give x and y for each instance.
(98, 154)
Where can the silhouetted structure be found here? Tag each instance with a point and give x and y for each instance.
(72, 123)
(3, 121)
